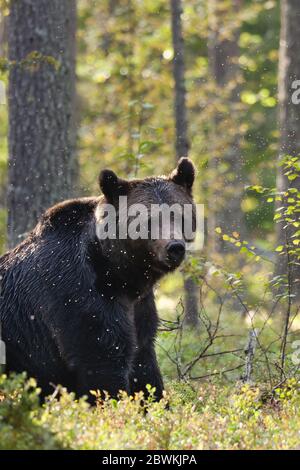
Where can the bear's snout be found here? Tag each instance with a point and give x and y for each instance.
(176, 252)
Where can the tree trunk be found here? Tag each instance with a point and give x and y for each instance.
(2, 34)
(182, 143)
(289, 122)
(42, 162)
(3, 55)
(228, 186)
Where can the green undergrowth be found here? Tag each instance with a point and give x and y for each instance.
(207, 416)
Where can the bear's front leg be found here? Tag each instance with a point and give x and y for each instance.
(110, 379)
(98, 348)
(145, 370)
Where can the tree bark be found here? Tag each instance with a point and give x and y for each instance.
(182, 143)
(2, 34)
(227, 190)
(289, 124)
(42, 163)
(3, 55)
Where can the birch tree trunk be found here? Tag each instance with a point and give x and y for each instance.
(289, 123)
(42, 162)
(182, 143)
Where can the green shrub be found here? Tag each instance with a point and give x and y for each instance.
(207, 417)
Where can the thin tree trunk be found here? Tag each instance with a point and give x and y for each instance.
(42, 162)
(3, 55)
(3, 24)
(182, 143)
(227, 189)
(289, 124)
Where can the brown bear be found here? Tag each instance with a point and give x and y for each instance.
(79, 310)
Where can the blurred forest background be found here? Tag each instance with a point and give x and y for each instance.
(125, 92)
(156, 80)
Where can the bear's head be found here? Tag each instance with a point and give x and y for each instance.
(144, 225)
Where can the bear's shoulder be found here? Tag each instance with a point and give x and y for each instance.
(69, 213)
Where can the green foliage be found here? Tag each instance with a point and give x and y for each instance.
(119, 75)
(19, 404)
(208, 417)
(221, 359)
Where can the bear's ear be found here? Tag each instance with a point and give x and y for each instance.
(184, 174)
(112, 186)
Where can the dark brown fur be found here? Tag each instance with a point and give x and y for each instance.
(79, 311)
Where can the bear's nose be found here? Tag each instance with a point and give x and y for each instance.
(176, 251)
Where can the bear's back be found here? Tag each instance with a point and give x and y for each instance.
(29, 275)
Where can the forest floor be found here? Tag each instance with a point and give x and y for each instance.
(218, 412)
(206, 417)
